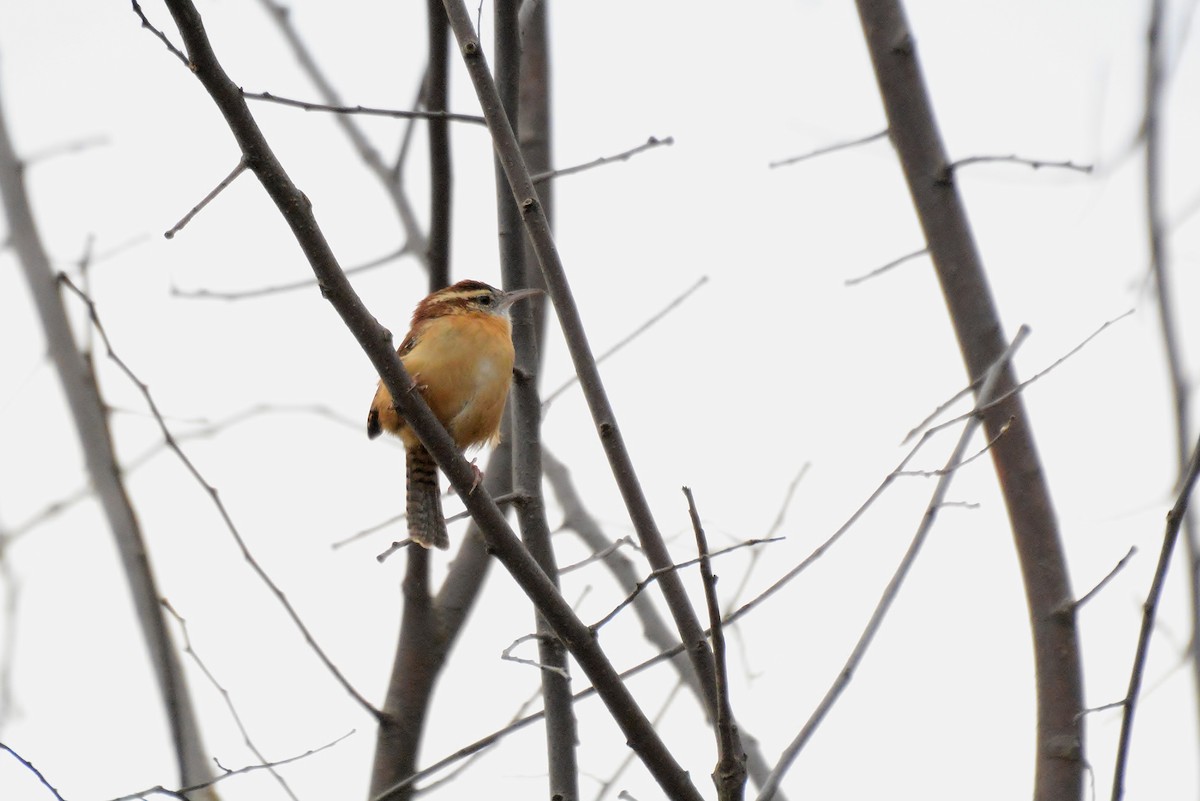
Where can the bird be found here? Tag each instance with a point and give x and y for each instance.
(459, 352)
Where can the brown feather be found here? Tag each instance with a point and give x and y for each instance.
(426, 525)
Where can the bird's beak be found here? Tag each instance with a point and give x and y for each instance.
(517, 294)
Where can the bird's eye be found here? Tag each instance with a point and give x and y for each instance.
(485, 300)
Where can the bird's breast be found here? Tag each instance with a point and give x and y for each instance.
(463, 363)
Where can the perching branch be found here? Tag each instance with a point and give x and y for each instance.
(377, 344)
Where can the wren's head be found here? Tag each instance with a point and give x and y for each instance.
(469, 297)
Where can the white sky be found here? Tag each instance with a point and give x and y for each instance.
(774, 363)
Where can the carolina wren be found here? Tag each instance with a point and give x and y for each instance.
(459, 353)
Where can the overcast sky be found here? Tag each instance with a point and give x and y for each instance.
(773, 364)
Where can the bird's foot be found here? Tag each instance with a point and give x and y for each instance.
(478, 477)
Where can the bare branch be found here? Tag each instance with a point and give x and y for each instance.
(658, 573)
(990, 383)
(626, 155)
(183, 792)
(162, 37)
(370, 111)
(277, 289)
(885, 268)
(508, 656)
(66, 148)
(171, 442)
(729, 775)
(387, 177)
(225, 182)
(1117, 568)
(1020, 387)
(225, 696)
(1181, 390)
(32, 769)
(662, 763)
(1014, 159)
(630, 337)
(821, 151)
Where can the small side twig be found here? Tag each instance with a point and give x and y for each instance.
(162, 37)
(662, 571)
(507, 655)
(821, 151)
(184, 792)
(279, 289)
(1117, 568)
(370, 111)
(632, 335)
(1036, 164)
(626, 155)
(886, 267)
(729, 775)
(218, 189)
(190, 650)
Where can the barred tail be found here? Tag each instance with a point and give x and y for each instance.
(426, 526)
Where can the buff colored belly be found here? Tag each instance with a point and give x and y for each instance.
(463, 365)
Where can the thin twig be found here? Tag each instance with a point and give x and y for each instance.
(279, 289)
(658, 573)
(600, 555)
(630, 337)
(237, 719)
(225, 182)
(184, 792)
(1175, 519)
(889, 266)
(507, 656)
(67, 148)
(729, 775)
(941, 471)
(821, 151)
(988, 388)
(175, 51)
(1036, 164)
(1117, 568)
(370, 111)
(32, 769)
(626, 155)
(1016, 389)
(216, 499)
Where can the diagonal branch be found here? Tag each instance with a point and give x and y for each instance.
(376, 343)
(541, 240)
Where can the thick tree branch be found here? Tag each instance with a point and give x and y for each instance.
(976, 321)
(526, 414)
